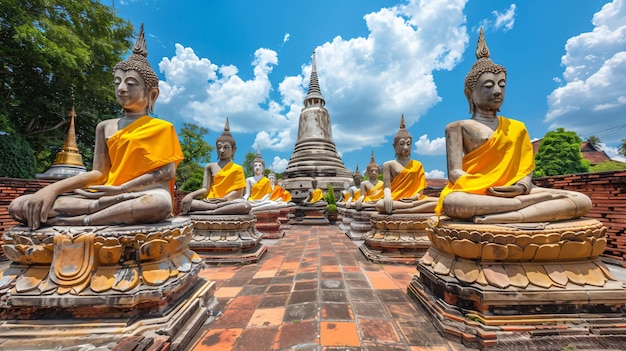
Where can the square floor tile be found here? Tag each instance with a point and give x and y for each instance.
(217, 340)
(339, 334)
(336, 311)
(382, 331)
(266, 317)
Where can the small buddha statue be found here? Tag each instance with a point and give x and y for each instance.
(223, 184)
(285, 194)
(371, 189)
(259, 188)
(315, 196)
(345, 194)
(404, 180)
(355, 190)
(134, 163)
(491, 160)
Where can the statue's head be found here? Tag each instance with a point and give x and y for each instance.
(482, 65)
(225, 144)
(272, 177)
(402, 140)
(357, 176)
(314, 184)
(373, 168)
(258, 164)
(138, 66)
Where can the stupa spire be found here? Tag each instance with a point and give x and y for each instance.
(314, 95)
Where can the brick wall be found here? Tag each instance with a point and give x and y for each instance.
(607, 191)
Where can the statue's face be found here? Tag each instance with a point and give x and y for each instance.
(130, 91)
(346, 185)
(272, 178)
(357, 180)
(488, 94)
(225, 150)
(372, 172)
(258, 168)
(403, 147)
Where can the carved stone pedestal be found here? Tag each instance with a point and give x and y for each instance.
(268, 224)
(488, 285)
(398, 238)
(67, 286)
(310, 215)
(346, 218)
(283, 218)
(360, 225)
(227, 238)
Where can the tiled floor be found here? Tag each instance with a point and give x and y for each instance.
(314, 290)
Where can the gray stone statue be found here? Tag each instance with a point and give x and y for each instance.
(491, 160)
(134, 164)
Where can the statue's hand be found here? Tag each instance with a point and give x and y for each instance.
(98, 191)
(388, 205)
(507, 191)
(358, 205)
(38, 207)
(185, 203)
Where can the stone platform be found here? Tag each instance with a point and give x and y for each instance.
(268, 224)
(360, 224)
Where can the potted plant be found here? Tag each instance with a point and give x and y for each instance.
(331, 208)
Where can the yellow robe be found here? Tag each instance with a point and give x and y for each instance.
(317, 195)
(356, 196)
(142, 147)
(286, 196)
(260, 189)
(502, 160)
(409, 182)
(376, 193)
(277, 193)
(230, 178)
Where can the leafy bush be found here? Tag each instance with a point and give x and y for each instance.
(17, 159)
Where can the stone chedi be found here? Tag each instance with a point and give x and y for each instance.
(315, 154)
(102, 244)
(224, 228)
(69, 161)
(511, 262)
(259, 190)
(398, 232)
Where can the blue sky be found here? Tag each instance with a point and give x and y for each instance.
(376, 60)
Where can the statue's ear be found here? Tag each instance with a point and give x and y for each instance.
(153, 94)
(468, 96)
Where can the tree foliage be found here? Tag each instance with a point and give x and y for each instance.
(16, 158)
(610, 165)
(51, 51)
(197, 153)
(559, 153)
(622, 148)
(595, 141)
(248, 168)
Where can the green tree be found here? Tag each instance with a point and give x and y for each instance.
(16, 158)
(622, 148)
(197, 153)
(248, 169)
(595, 141)
(559, 153)
(610, 165)
(51, 51)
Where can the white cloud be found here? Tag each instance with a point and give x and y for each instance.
(286, 38)
(435, 174)
(594, 78)
(372, 80)
(613, 153)
(504, 21)
(425, 146)
(279, 165)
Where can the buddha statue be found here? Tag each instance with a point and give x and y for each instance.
(134, 163)
(371, 189)
(259, 188)
(354, 192)
(404, 180)
(223, 184)
(315, 196)
(491, 161)
(285, 194)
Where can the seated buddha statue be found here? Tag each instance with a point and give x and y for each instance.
(278, 194)
(404, 180)
(491, 161)
(134, 163)
(315, 196)
(259, 188)
(223, 184)
(354, 192)
(371, 189)
(285, 194)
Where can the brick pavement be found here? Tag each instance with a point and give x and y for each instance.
(314, 290)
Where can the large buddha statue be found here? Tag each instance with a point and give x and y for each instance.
(134, 163)
(404, 180)
(223, 184)
(491, 160)
(372, 189)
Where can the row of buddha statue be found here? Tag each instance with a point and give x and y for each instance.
(490, 165)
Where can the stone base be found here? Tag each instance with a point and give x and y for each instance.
(283, 218)
(360, 225)
(227, 239)
(529, 285)
(268, 224)
(346, 218)
(399, 238)
(310, 215)
(175, 327)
